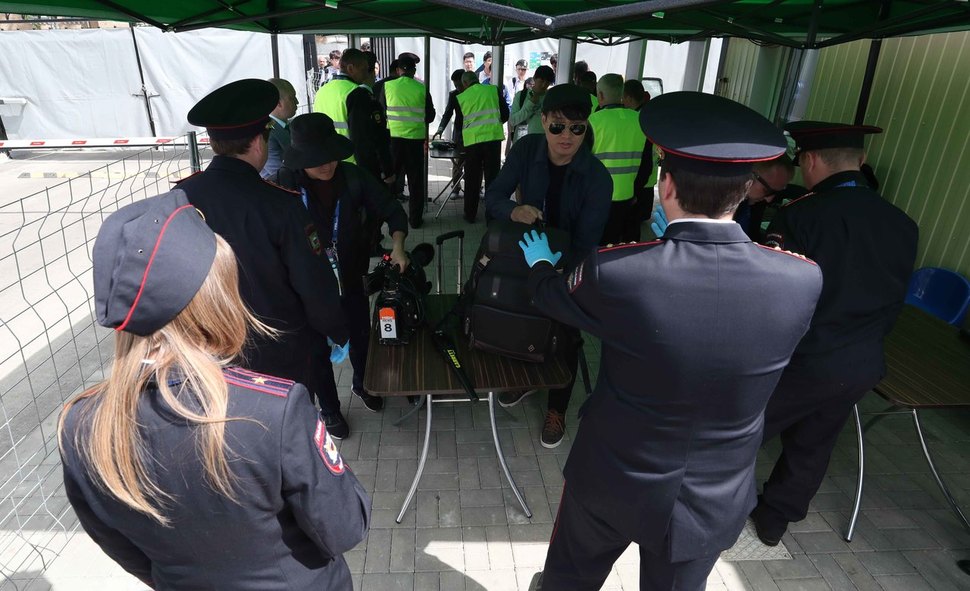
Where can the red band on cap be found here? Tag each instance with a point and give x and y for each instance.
(148, 267)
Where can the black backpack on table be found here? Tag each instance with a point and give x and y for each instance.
(497, 313)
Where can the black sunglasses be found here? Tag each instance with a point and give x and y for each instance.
(769, 190)
(575, 128)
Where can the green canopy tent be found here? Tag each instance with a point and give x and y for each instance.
(795, 23)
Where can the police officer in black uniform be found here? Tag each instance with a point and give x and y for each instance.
(338, 195)
(282, 277)
(866, 248)
(668, 462)
(289, 506)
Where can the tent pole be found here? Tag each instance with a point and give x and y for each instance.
(696, 64)
(498, 65)
(860, 111)
(636, 54)
(274, 43)
(567, 61)
(144, 89)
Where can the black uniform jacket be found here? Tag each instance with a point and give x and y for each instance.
(283, 276)
(299, 507)
(367, 128)
(866, 248)
(696, 329)
(360, 196)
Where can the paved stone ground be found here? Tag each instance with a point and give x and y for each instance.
(465, 529)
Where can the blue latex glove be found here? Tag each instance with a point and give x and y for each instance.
(338, 353)
(659, 223)
(535, 246)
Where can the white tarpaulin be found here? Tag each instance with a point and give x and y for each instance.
(85, 83)
(77, 83)
(183, 68)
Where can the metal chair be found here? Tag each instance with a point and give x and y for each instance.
(946, 295)
(941, 292)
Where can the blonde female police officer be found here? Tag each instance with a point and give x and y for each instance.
(668, 462)
(188, 471)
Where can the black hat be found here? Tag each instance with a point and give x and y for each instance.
(521, 64)
(411, 56)
(546, 73)
(150, 259)
(315, 141)
(567, 96)
(406, 62)
(819, 135)
(709, 134)
(237, 110)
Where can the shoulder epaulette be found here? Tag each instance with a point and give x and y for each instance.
(186, 178)
(281, 187)
(788, 252)
(610, 247)
(250, 380)
(793, 201)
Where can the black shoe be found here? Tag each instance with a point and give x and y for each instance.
(373, 403)
(336, 424)
(417, 223)
(470, 219)
(768, 530)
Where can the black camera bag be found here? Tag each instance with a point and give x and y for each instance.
(497, 313)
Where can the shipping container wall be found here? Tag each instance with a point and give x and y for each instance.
(922, 158)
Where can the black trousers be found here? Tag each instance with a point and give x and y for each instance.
(572, 343)
(623, 225)
(481, 159)
(583, 549)
(356, 307)
(409, 161)
(809, 408)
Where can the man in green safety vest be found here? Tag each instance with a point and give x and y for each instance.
(483, 113)
(348, 100)
(409, 109)
(619, 143)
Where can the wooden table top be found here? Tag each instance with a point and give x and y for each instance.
(928, 364)
(419, 368)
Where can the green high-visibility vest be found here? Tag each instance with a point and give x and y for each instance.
(481, 121)
(618, 143)
(405, 99)
(331, 100)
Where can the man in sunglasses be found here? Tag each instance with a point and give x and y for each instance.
(564, 186)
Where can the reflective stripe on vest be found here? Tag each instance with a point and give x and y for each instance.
(405, 99)
(481, 118)
(331, 100)
(618, 143)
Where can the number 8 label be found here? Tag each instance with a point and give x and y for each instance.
(388, 323)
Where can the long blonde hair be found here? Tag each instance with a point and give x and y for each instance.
(191, 351)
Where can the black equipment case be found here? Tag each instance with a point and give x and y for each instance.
(497, 313)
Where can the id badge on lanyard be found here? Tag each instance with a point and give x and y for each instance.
(331, 251)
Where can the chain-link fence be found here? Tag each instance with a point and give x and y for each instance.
(51, 347)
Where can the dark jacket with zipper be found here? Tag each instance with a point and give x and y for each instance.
(361, 196)
(585, 199)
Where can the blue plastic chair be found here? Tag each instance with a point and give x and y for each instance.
(941, 292)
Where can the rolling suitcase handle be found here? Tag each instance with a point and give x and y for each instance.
(439, 241)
